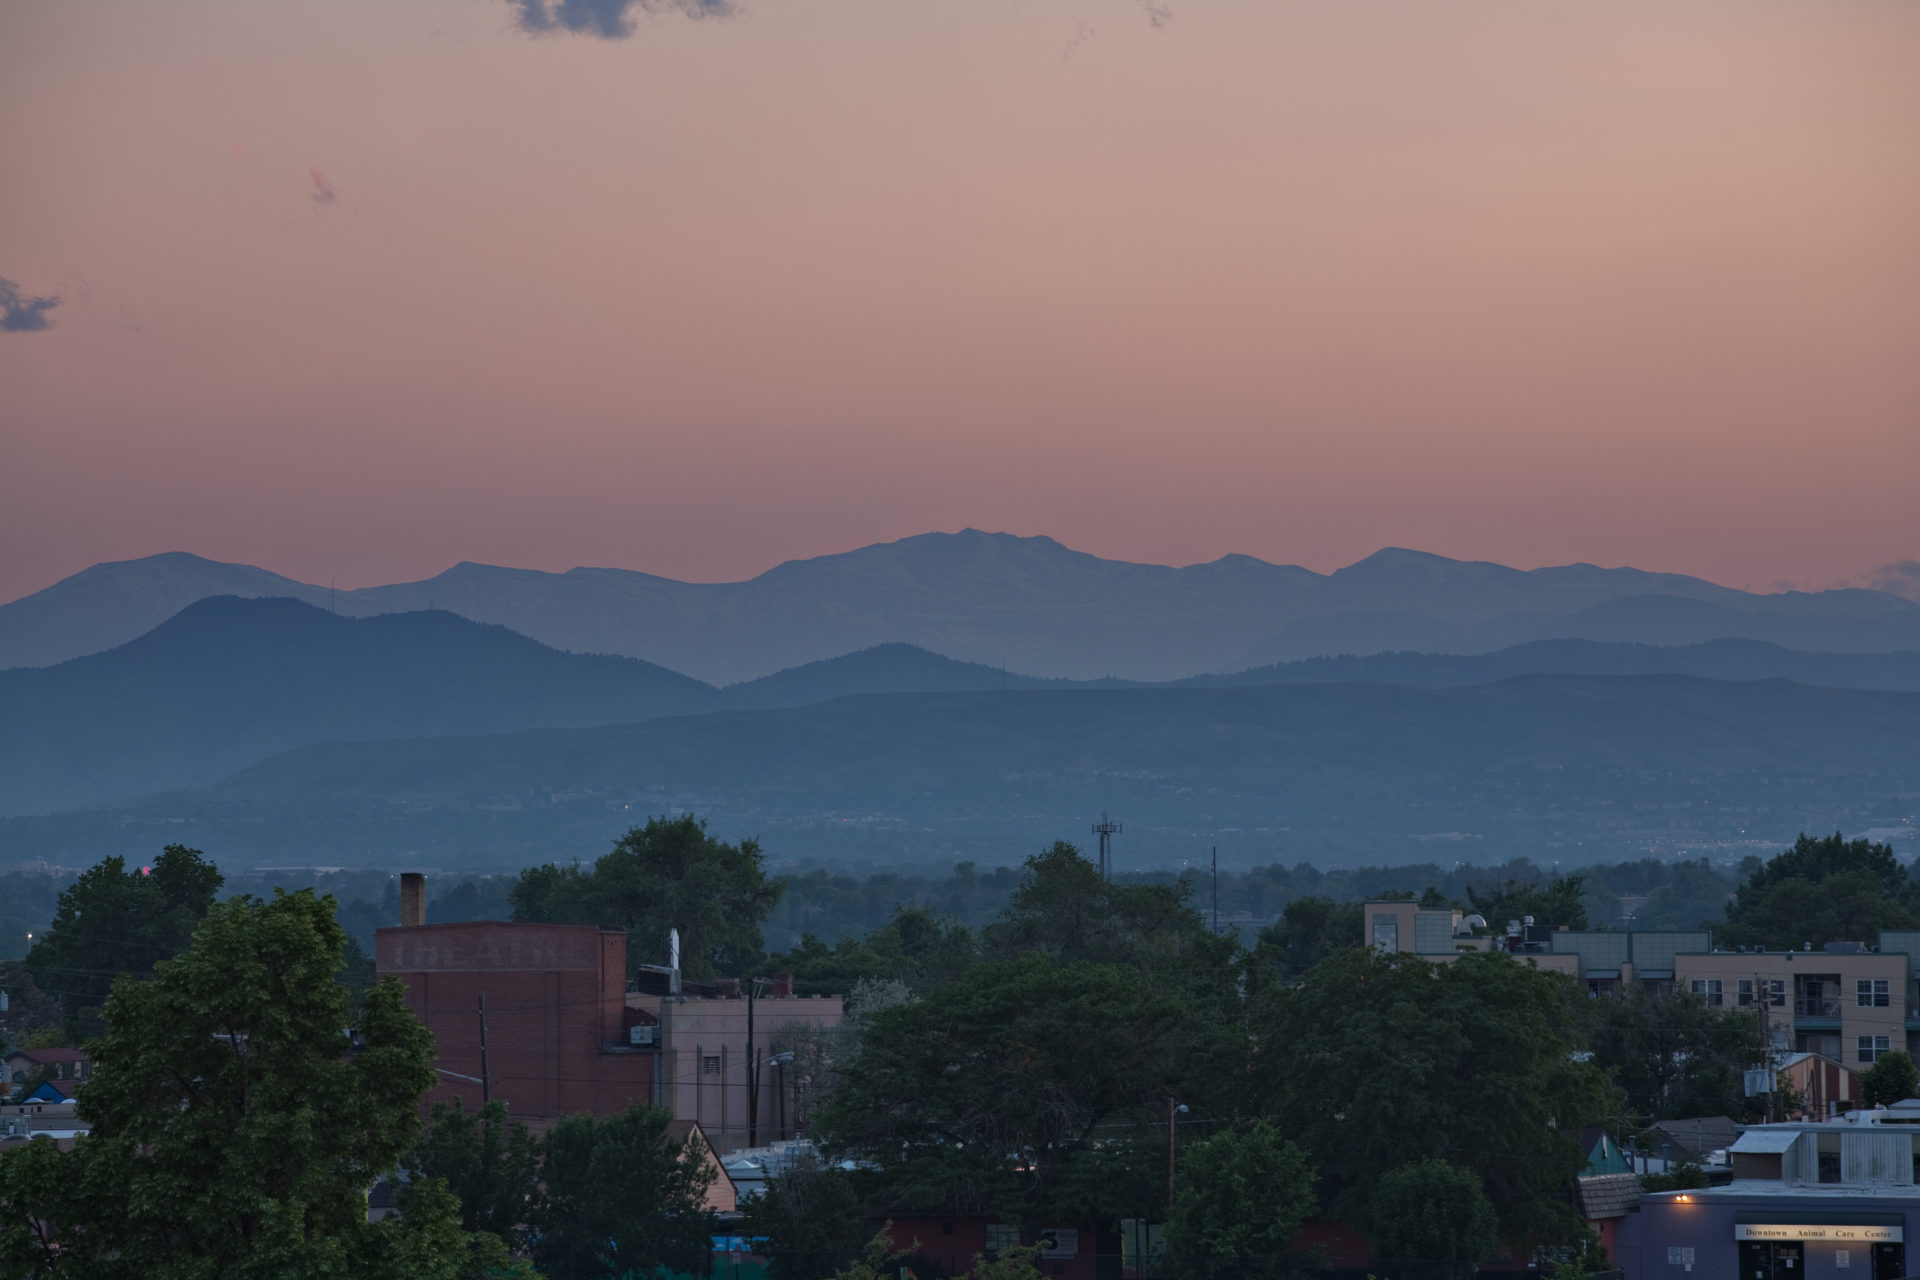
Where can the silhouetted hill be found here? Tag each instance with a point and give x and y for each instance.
(227, 682)
(885, 668)
(1573, 767)
(1028, 604)
(1713, 660)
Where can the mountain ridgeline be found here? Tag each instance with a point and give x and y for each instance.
(1024, 604)
(228, 682)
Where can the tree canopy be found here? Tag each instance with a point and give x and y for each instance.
(622, 1199)
(1239, 1199)
(234, 1135)
(1822, 890)
(1379, 1059)
(113, 921)
(1673, 1055)
(1432, 1221)
(668, 874)
(988, 1096)
(1892, 1078)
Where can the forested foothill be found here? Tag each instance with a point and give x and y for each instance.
(1037, 1045)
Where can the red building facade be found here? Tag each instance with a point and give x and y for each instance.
(538, 1011)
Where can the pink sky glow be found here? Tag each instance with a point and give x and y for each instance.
(357, 290)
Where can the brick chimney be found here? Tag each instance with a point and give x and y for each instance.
(413, 898)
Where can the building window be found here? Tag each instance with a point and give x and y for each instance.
(1743, 993)
(710, 1065)
(1386, 933)
(1871, 993)
(1001, 1237)
(1872, 1048)
(1708, 989)
(1777, 992)
(1771, 991)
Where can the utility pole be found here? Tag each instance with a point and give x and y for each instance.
(1216, 888)
(1106, 831)
(1173, 1109)
(753, 1066)
(486, 1089)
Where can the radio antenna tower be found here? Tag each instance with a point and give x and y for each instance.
(1106, 831)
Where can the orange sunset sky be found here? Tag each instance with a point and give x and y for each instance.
(361, 288)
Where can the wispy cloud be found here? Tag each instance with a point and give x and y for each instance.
(607, 19)
(23, 313)
(323, 194)
(1901, 578)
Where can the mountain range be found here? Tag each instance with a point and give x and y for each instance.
(1025, 604)
(227, 682)
(1573, 768)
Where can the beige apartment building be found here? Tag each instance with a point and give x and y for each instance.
(1848, 1001)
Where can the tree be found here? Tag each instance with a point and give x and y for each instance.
(1063, 909)
(233, 1134)
(1308, 931)
(1239, 1199)
(112, 921)
(814, 1219)
(1432, 1221)
(1018, 1089)
(1558, 903)
(1673, 1055)
(1822, 890)
(669, 874)
(1381, 1059)
(1892, 1078)
(491, 1166)
(622, 1199)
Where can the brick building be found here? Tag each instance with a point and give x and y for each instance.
(537, 1011)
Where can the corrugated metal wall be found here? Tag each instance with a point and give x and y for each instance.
(1876, 1157)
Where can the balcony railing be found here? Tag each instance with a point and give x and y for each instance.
(1816, 1007)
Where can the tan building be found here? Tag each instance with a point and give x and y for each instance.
(721, 1064)
(1847, 1002)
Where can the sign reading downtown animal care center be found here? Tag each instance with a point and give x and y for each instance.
(1814, 1231)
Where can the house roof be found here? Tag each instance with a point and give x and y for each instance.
(46, 1057)
(1609, 1195)
(1700, 1134)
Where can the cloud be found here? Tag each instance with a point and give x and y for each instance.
(608, 19)
(23, 313)
(322, 189)
(1901, 578)
(1158, 14)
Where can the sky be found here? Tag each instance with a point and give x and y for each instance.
(359, 289)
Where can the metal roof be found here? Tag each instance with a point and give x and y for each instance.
(1764, 1141)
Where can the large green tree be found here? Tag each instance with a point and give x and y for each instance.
(1892, 1078)
(1027, 1088)
(491, 1165)
(622, 1199)
(669, 874)
(112, 920)
(1432, 1221)
(1381, 1059)
(1673, 1055)
(1309, 930)
(813, 1218)
(1239, 1200)
(1822, 890)
(233, 1132)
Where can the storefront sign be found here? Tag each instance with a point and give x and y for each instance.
(1814, 1231)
